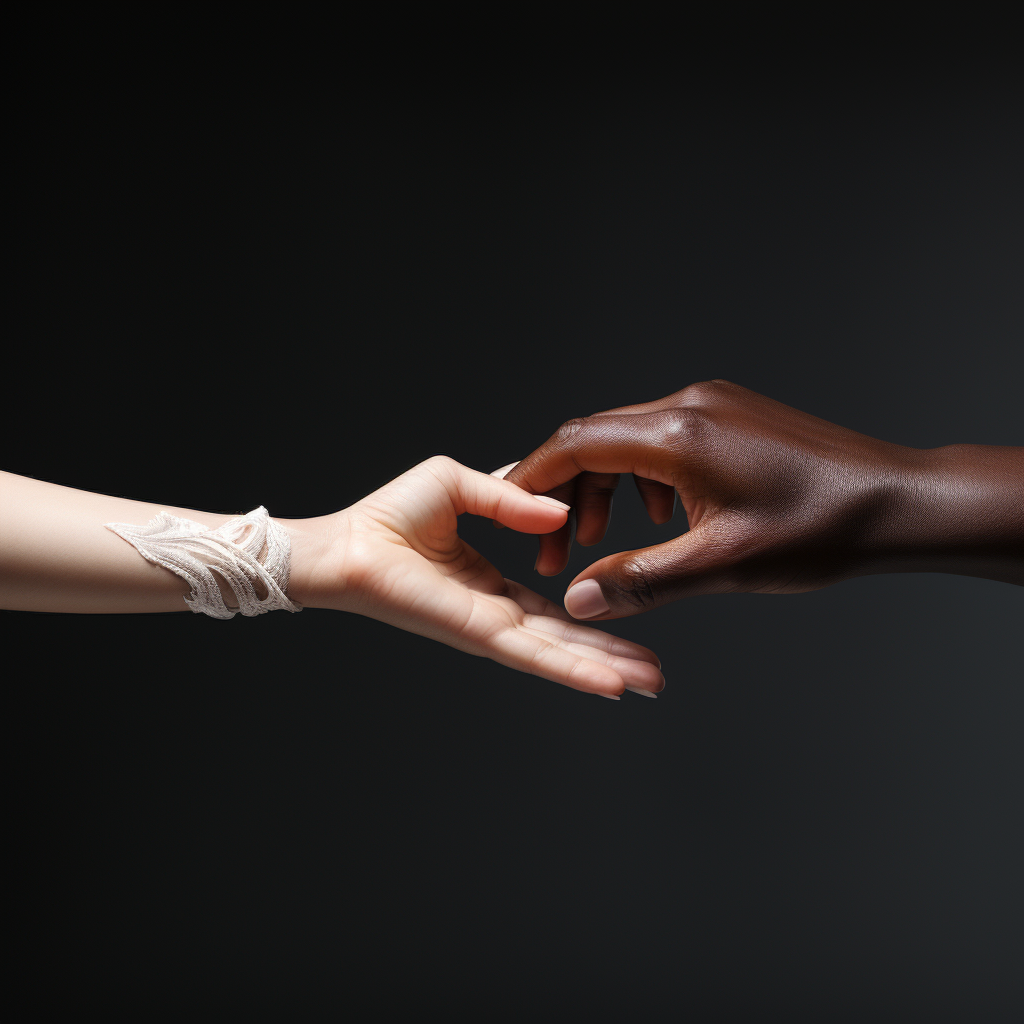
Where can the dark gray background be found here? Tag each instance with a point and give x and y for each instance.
(230, 293)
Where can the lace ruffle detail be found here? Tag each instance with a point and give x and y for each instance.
(248, 552)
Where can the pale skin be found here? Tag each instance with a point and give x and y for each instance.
(395, 556)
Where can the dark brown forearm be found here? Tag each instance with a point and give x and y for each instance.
(961, 511)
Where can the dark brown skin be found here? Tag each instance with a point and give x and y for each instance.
(777, 501)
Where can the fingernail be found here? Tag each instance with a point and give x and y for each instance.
(552, 501)
(609, 696)
(643, 693)
(585, 600)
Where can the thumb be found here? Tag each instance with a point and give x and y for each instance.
(631, 582)
(483, 495)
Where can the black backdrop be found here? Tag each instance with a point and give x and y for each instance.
(233, 293)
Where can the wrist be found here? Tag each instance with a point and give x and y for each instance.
(317, 578)
(957, 509)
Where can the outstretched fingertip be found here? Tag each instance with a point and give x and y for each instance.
(553, 502)
(522, 511)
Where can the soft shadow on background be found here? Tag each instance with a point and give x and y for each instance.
(231, 294)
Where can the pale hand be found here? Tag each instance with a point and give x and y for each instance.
(396, 556)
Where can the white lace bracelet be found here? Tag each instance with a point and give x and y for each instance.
(247, 552)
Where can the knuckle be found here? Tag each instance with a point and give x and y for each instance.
(441, 463)
(569, 432)
(680, 426)
(706, 392)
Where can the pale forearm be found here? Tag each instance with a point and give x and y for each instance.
(56, 554)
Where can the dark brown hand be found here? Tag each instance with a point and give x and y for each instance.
(777, 501)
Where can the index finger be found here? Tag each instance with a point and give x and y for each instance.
(643, 444)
